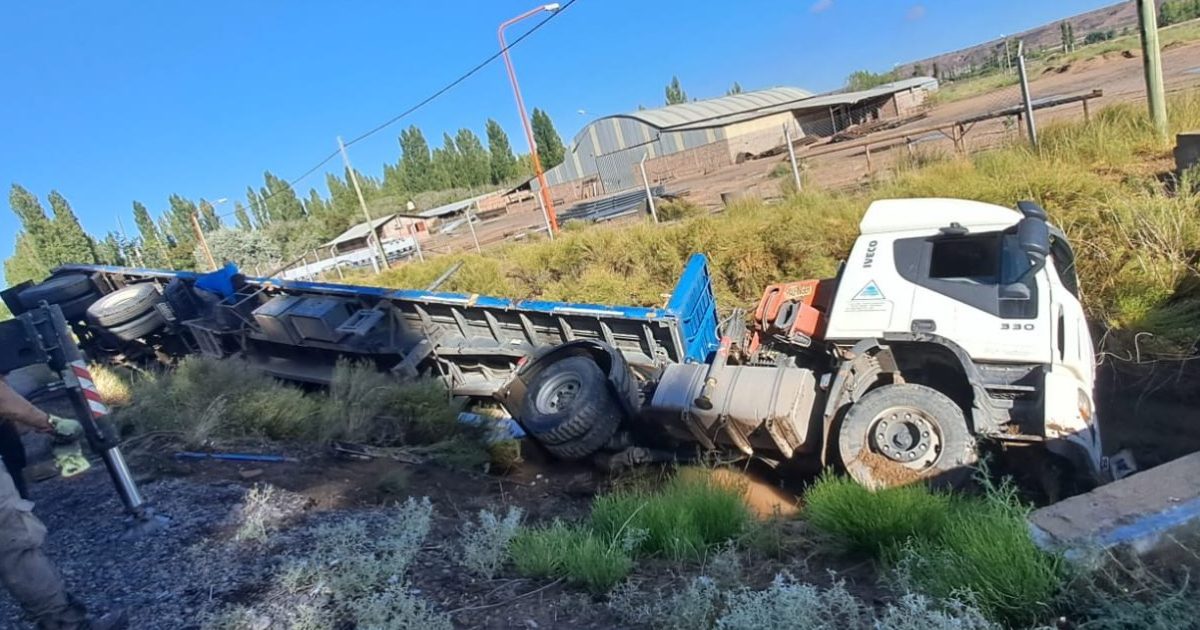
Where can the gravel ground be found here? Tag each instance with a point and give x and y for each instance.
(164, 579)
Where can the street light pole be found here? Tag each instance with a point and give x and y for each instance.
(544, 192)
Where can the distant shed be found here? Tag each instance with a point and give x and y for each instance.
(701, 136)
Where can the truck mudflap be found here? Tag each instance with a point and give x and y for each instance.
(757, 410)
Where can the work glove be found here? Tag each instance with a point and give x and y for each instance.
(68, 452)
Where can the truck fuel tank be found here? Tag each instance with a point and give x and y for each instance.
(753, 408)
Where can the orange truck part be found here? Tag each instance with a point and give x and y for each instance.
(794, 310)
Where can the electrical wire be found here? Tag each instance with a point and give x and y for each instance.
(427, 100)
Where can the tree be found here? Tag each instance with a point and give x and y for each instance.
(549, 145)
(280, 200)
(29, 210)
(865, 79)
(24, 264)
(415, 162)
(445, 165)
(675, 93)
(472, 158)
(247, 248)
(1070, 37)
(110, 249)
(154, 248)
(1065, 35)
(209, 219)
(736, 88)
(936, 73)
(257, 207)
(243, 219)
(69, 243)
(501, 161)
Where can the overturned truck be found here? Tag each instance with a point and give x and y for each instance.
(952, 324)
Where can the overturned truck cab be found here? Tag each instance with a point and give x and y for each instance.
(952, 324)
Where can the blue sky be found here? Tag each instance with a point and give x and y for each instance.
(113, 101)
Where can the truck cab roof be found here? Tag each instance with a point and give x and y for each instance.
(931, 214)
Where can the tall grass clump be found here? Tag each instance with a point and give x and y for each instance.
(946, 547)
(114, 385)
(690, 514)
(571, 552)
(984, 548)
(872, 522)
(203, 398)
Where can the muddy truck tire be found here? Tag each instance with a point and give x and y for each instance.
(124, 305)
(901, 434)
(72, 292)
(570, 409)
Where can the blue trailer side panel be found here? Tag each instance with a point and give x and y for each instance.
(695, 306)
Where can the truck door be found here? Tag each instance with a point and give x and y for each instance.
(977, 290)
(1070, 381)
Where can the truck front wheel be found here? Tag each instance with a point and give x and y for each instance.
(901, 434)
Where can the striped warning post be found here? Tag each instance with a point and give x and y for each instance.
(95, 401)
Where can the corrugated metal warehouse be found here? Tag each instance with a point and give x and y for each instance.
(701, 136)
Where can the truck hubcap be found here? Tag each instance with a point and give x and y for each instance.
(906, 436)
(558, 393)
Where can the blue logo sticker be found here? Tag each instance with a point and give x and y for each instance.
(869, 292)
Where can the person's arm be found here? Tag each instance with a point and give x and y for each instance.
(14, 408)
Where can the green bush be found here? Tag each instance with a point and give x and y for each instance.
(572, 552)
(873, 522)
(984, 549)
(682, 520)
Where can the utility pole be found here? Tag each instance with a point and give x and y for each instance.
(363, 202)
(203, 242)
(1152, 64)
(1025, 97)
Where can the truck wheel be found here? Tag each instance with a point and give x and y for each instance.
(57, 290)
(138, 328)
(74, 309)
(124, 305)
(569, 408)
(902, 434)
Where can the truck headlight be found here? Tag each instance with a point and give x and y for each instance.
(1085, 406)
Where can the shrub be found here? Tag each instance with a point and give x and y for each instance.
(873, 522)
(485, 543)
(983, 548)
(114, 387)
(571, 552)
(540, 552)
(682, 520)
(1119, 591)
(675, 209)
(695, 606)
(397, 608)
(257, 514)
(791, 604)
(914, 611)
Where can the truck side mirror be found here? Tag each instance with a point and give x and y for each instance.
(1034, 238)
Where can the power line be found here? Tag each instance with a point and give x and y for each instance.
(427, 100)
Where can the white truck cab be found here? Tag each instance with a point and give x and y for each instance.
(990, 289)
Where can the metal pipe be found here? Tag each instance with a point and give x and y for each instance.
(787, 135)
(471, 224)
(646, 183)
(736, 320)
